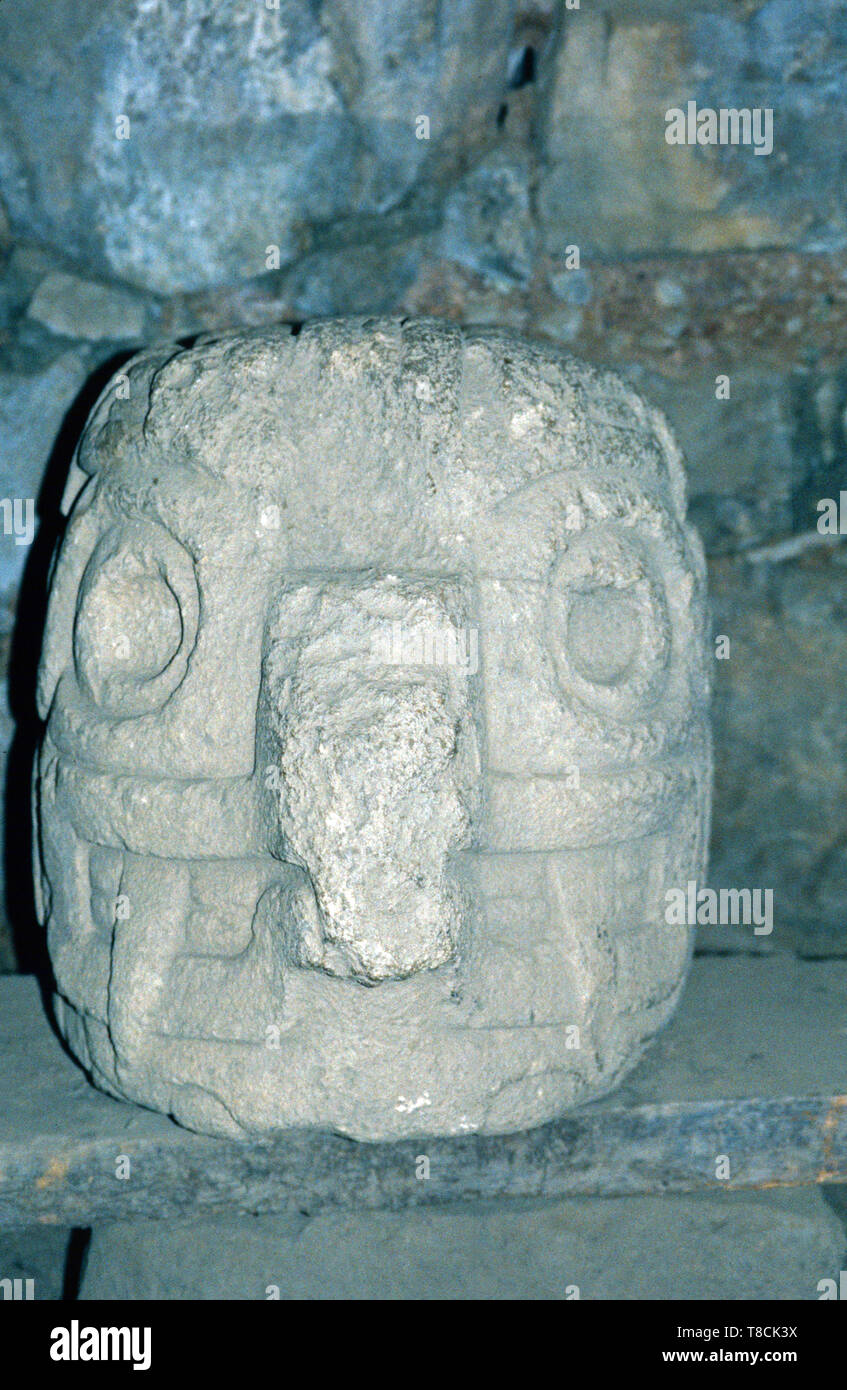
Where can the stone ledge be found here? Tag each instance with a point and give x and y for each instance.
(752, 1067)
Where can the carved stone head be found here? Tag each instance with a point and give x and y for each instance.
(375, 703)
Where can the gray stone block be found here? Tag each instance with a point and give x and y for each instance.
(376, 694)
(743, 471)
(769, 1245)
(173, 147)
(611, 183)
(749, 1071)
(78, 308)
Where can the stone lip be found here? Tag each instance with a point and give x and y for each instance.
(291, 877)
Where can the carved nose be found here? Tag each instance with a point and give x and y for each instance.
(374, 775)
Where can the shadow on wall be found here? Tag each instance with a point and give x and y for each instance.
(27, 936)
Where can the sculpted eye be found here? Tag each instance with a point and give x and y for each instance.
(603, 634)
(136, 620)
(608, 624)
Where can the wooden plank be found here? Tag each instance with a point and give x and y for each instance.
(754, 1067)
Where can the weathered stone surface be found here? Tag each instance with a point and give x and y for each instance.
(249, 126)
(728, 1246)
(476, 233)
(488, 223)
(676, 315)
(39, 383)
(612, 184)
(757, 464)
(78, 308)
(368, 278)
(750, 1067)
(368, 650)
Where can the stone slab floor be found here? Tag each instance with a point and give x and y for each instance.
(740, 1245)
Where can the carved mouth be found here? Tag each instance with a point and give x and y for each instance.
(235, 923)
(202, 818)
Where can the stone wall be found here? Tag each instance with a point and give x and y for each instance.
(167, 169)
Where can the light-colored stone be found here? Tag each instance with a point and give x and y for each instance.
(488, 223)
(375, 692)
(84, 309)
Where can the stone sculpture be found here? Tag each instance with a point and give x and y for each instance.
(376, 731)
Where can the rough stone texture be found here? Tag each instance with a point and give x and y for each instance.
(488, 224)
(81, 309)
(758, 463)
(739, 452)
(249, 126)
(676, 315)
(374, 657)
(477, 234)
(612, 184)
(296, 128)
(751, 1067)
(775, 320)
(39, 382)
(732, 1246)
